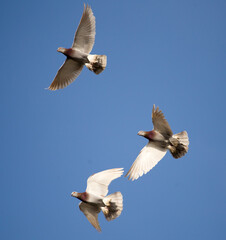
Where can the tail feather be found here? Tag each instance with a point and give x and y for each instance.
(114, 206)
(179, 144)
(97, 63)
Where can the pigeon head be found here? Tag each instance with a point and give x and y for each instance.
(141, 133)
(149, 135)
(82, 196)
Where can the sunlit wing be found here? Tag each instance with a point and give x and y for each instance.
(98, 183)
(149, 156)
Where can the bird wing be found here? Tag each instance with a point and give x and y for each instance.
(160, 123)
(91, 213)
(149, 156)
(85, 34)
(98, 183)
(67, 73)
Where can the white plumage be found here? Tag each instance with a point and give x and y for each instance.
(149, 156)
(94, 199)
(161, 139)
(98, 183)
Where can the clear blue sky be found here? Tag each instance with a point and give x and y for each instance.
(171, 53)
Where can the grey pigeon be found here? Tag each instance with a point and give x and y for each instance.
(161, 139)
(78, 55)
(94, 199)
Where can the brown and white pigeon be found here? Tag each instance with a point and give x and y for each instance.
(161, 139)
(94, 199)
(78, 55)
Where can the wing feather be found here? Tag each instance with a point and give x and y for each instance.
(85, 34)
(91, 213)
(67, 73)
(98, 183)
(149, 156)
(160, 123)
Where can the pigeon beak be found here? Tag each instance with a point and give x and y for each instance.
(74, 194)
(58, 49)
(141, 133)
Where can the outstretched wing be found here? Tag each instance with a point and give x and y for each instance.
(67, 73)
(91, 213)
(149, 156)
(160, 123)
(98, 183)
(85, 34)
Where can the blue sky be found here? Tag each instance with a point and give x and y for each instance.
(168, 53)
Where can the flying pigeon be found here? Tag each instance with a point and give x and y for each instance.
(94, 199)
(161, 139)
(78, 55)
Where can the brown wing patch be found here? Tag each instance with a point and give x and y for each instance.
(160, 123)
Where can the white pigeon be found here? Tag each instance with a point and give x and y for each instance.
(94, 199)
(161, 139)
(78, 55)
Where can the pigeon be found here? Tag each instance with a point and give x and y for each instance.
(161, 139)
(78, 55)
(94, 199)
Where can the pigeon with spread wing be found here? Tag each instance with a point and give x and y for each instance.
(78, 55)
(161, 139)
(94, 199)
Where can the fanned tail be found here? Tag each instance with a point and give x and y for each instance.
(97, 63)
(179, 144)
(114, 206)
